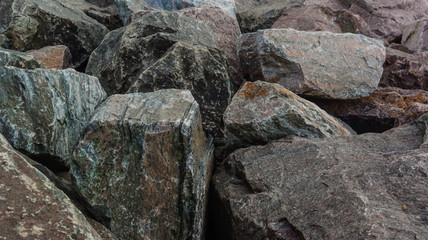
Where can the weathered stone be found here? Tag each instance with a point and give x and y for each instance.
(321, 64)
(403, 70)
(33, 24)
(255, 14)
(384, 109)
(31, 207)
(370, 186)
(415, 36)
(4, 42)
(226, 30)
(261, 112)
(166, 50)
(58, 57)
(18, 59)
(145, 163)
(44, 111)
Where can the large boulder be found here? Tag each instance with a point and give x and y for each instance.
(58, 57)
(370, 186)
(33, 24)
(261, 112)
(318, 64)
(32, 207)
(144, 163)
(11, 58)
(44, 111)
(164, 50)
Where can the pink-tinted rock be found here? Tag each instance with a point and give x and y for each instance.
(58, 57)
(415, 36)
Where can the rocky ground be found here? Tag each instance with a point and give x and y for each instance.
(214, 119)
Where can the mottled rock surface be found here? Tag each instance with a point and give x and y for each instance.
(18, 59)
(261, 112)
(370, 186)
(58, 57)
(384, 109)
(31, 207)
(4, 42)
(33, 24)
(404, 70)
(415, 36)
(320, 64)
(44, 111)
(144, 162)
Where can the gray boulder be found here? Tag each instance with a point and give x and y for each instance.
(17, 59)
(319, 64)
(44, 111)
(145, 164)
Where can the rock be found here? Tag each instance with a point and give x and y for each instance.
(320, 64)
(384, 109)
(18, 59)
(164, 50)
(226, 30)
(415, 36)
(44, 111)
(4, 42)
(33, 24)
(58, 57)
(32, 207)
(403, 70)
(255, 14)
(261, 112)
(145, 163)
(370, 186)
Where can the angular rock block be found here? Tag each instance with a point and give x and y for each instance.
(31, 207)
(319, 64)
(415, 36)
(11, 58)
(370, 186)
(261, 112)
(58, 57)
(44, 111)
(144, 163)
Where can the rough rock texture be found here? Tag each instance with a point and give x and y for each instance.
(226, 29)
(4, 42)
(255, 14)
(44, 111)
(370, 186)
(415, 36)
(384, 109)
(58, 57)
(321, 64)
(261, 112)
(166, 50)
(18, 59)
(144, 162)
(403, 70)
(31, 207)
(33, 24)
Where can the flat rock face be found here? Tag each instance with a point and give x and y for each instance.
(33, 24)
(17, 59)
(415, 36)
(384, 109)
(58, 57)
(44, 111)
(261, 112)
(144, 162)
(320, 64)
(164, 50)
(370, 186)
(403, 70)
(31, 207)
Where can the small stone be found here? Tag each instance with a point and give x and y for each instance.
(58, 57)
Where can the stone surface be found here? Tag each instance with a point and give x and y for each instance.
(31, 207)
(4, 42)
(226, 30)
(370, 186)
(415, 36)
(255, 14)
(404, 70)
(44, 111)
(33, 24)
(384, 109)
(58, 57)
(261, 112)
(164, 50)
(321, 64)
(144, 162)
(18, 59)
